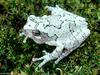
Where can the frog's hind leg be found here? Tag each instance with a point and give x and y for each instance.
(63, 55)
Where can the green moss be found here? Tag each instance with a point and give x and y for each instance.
(15, 56)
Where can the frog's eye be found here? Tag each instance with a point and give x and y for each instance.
(36, 32)
(29, 25)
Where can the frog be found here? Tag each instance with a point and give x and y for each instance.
(62, 29)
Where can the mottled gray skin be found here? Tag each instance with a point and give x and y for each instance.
(61, 29)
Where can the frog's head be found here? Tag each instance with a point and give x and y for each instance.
(31, 23)
(29, 29)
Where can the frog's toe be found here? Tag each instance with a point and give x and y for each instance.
(45, 52)
(56, 62)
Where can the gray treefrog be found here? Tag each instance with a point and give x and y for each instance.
(62, 29)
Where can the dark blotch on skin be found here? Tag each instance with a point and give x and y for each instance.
(36, 32)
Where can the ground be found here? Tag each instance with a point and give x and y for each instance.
(15, 56)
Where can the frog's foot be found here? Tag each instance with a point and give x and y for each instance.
(41, 58)
(45, 59)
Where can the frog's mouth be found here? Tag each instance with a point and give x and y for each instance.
(30, 34)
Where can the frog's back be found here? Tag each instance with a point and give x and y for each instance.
(70, 29)
(73, 34)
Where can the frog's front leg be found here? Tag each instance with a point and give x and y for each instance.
(59, 48)
(50, 56)
(55, 54)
